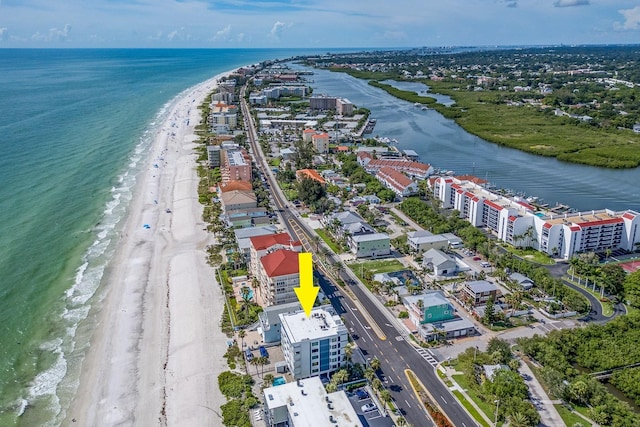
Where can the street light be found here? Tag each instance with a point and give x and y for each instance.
(497, 402)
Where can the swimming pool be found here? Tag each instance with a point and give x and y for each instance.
(279, 381)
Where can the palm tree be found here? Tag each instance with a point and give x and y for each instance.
(385, 396)
(401, 422)
(369, 374)
(376, 384)
(375, 364)
(348, 353)
(518, 419)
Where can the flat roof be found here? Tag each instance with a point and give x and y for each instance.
(308, 406)
(370, 237)
(322, 323)
(585, 218)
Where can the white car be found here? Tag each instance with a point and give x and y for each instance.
(368, 407)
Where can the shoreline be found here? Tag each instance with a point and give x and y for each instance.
(157, 348)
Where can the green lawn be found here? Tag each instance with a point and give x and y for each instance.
(570, 419)
(324, 235)
(530, 254)
(487, 408)
(380, 266)
(470, 409)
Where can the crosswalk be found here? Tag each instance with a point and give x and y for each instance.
(428, 356)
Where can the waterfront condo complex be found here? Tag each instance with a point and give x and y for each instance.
(518, 222)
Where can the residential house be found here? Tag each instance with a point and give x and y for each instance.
(521, 280)
(310, 173)
(422, 240)
(371, 245)
(478, 292)
(441, 263)
(433, 316)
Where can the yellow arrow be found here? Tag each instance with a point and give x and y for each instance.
(306, 292)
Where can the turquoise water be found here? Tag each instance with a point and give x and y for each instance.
(279, 381)
(75, 126)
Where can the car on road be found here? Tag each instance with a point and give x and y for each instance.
(368, 407)
(476, 258)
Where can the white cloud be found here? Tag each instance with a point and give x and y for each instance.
(570, 3)
(276, 30)
(4, 33)
(54, 34)
(631, 19)
(241, 37)
(223, 34)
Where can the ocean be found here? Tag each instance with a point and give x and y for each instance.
(75, 127)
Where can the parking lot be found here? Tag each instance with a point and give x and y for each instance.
(371, 418)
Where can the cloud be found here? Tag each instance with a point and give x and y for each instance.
(54, 34)
(4, 33)
(276, 30)
(512, 4)
(631, 19)
(241, 37)
(223, 34)
(571, 3)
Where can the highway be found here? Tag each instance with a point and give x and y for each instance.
(375, 331)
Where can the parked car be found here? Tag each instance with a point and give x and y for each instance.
(362, 394)
(248, 355)
(476, 258)
(263, 351)
(368, 407)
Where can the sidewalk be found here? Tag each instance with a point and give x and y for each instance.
(549, 415)
(449, 372)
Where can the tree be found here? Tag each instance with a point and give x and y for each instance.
(632, 289)
(500, 346)
(385, 396)
(369, 374)
(489, 311)
(613, 277)
(375, 364)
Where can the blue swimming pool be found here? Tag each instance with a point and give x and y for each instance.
(278, 381)
(539, 214)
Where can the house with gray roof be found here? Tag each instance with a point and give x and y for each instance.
(441, 263)
(478, 292)
(521, 280)
(435, 317)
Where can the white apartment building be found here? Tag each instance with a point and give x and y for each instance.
(519, 223)
(306, 403)
(313, 345)
(279, 274)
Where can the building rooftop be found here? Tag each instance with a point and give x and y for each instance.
(282, 262)
(436, 257)
(479, 286)
(309, 405)
(429, 299)
(586, 219)
(236, 185)
(243, 235)
(322, 323)
(262, 242)
(310, 173)
(238, 197)
(370, 237)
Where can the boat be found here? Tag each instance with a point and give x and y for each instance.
(416, 104)
(425, 108)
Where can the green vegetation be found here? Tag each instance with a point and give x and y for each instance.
(505, 385)
(237, 389)
(378, 266)
(570, 418)
(512, 99)
(438, 417)
(470, 409)
(328, 240)
(593, 348)
(407, 95)
(530, 254)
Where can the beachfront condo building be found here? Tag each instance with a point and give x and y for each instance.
(521, 224)
(213, 156)
(320, 142)
(265, 244)
(306, 403)
(313, 345)
(235, 165)
(344, 107)
(279, 273)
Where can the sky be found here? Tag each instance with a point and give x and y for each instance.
(315, 23)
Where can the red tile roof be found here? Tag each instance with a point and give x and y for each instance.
(236, 185)
(493, 205)
(320, 136)
(628, 215)
(280, 263)
(601, 222)
(394, 178)
(471, 178)
(310, 173)
(268, 240)
(342, 148)
(309, 131)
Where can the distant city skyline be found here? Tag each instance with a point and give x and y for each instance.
(315, 23)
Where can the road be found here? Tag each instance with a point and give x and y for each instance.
(392, 349)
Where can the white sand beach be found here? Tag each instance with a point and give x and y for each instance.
(156, 354)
